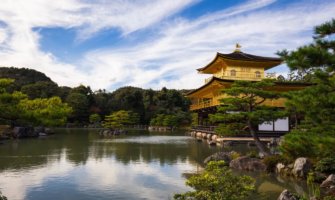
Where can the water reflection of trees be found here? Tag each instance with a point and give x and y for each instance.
(29, 153)
(77, 146)
(80, 145)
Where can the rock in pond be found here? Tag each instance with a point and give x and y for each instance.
(225, 156)
(24, 132)
(301, 167)
(329, 182)
(279, 168)
(286, 195)
(247, 163)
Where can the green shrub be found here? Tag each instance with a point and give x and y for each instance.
(253, 154)
(326, 165)
(235, 155)
(307, 144)
(272, 161)
(218, 182)
(2, 197)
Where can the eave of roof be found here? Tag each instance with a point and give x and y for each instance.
(208, 83)
(277, 83)
(240, 56)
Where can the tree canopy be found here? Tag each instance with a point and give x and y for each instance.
(118, 119)
(16, 108)
(46, 112)
(315, 136)
(243, 108)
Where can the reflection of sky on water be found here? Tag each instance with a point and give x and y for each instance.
(81, 165)
(97, 178)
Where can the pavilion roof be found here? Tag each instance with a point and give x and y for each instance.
(241, 56)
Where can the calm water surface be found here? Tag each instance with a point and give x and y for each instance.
(78, 164)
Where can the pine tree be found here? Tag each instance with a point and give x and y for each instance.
(318, 61)
(243, 107)
(315, 136)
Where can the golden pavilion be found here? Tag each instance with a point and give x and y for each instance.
(227, 68)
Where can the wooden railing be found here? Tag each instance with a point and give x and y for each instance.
(204, 104)
(216, 101)
(243, 76)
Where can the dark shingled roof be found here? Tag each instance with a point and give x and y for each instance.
(239, 55)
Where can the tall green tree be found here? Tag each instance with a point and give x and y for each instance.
(10, 112)
(80, 105)
(243, 108)
(41, 89)
(16, 108)
(315, 136)
(118, 119)
(46, 111)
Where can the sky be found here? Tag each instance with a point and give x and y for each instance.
(108, 44)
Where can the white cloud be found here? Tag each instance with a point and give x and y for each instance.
(187, 45)
(171, 56)
(99, 174)
(16, 184)
(22, 47)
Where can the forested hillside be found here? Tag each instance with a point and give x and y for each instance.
(147, 103)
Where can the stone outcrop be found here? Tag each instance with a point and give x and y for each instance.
(280, 168)
(247, 163)
(284, 170)
(225, 156)
(109, 133)
(301, 167)
(24, 132)
(330, 181)
(286, 195)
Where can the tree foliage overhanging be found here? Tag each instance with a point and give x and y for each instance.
(315, 136)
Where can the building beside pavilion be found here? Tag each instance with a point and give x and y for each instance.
(227, 68)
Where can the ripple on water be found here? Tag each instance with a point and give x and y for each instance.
(149, 140)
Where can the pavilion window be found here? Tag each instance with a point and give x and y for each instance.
(233, 72)
(257, 74)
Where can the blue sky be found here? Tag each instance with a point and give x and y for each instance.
(148, 43)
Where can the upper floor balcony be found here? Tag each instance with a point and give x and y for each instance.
(243, 76)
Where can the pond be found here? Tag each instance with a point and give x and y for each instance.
(78, 164)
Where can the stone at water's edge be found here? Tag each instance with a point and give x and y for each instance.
(24, 132)
(214, 137)
(247, 163)
(225, 156)
(286, 195)
(330, 181)
(301, 167)
(279, 168)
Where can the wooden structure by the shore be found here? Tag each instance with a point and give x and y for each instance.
(208, 133)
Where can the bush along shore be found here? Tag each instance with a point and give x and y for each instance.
(319, 174)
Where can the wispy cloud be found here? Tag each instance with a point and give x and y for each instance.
(169, 58)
